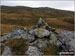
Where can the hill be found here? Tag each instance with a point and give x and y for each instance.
(20, 16)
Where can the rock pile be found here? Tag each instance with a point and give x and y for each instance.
(40, 36)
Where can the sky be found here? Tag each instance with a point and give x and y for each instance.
(64, 5)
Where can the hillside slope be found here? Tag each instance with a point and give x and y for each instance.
(19, 16)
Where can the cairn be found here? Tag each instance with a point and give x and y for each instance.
(36, 37)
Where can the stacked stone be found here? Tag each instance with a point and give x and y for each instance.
(66, 40)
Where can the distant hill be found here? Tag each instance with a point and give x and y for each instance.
(21, 16)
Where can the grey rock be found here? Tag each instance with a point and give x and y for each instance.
(41, 32)
(7, 51)
(18, 36)
(42, 44)
(33, 51)
(19, 31)
(16, 33)
(6, 37)
(41, 21)
(68, 38)
(53, 38)
(28, 37)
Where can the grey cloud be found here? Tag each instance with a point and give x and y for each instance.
(53, 4)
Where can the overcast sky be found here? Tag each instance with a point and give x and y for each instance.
(64, 5)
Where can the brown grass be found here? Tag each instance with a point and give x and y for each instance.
(50, 50)
(18, 46)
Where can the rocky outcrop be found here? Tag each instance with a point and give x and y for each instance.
(41, 36)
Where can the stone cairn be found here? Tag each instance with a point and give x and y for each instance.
(65, 40)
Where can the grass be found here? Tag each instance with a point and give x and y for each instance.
(18, 46)
(50, 50)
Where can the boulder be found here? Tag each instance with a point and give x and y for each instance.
(41, 32)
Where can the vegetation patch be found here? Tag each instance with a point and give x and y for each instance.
(1, 49)
(18, 46)
(50, 49)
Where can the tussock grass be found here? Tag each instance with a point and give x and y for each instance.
(18, 46)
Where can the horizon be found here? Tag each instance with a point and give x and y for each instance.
(61, 5)
(38, 7)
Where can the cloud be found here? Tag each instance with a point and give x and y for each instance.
(65, 5)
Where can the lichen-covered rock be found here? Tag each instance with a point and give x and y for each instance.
(68, 38)
(41, 32)
(19, 31)
(42, 44)
(28, 37)
(6, 37)
(53, 38)
(33, 51)
(7, 51)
